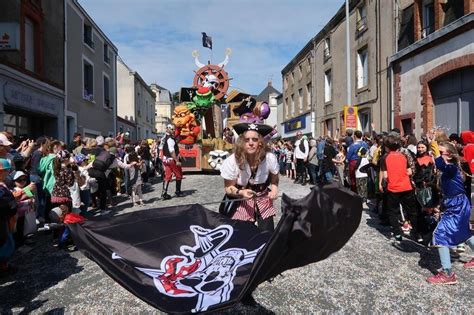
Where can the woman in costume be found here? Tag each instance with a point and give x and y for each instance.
(251, 173)
(453, 228)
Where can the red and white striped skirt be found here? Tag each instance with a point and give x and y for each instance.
(246, 209)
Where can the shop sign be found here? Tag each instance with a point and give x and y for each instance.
(350, 117)
(295, 124)
(22, 96)
(9, 36)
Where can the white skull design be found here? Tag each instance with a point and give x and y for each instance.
(216, 158)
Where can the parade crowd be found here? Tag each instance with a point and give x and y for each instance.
(421, 188)
(46, 184)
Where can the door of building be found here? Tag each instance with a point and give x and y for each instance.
(453, 99)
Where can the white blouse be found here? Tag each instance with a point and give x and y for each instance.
(230, 170)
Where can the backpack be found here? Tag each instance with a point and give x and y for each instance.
(302, 146)
(103, 161)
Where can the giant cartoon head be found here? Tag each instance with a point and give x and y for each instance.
(182, 116)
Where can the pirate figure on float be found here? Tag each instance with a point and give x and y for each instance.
(171, 162)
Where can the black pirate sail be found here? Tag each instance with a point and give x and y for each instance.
(189, 259)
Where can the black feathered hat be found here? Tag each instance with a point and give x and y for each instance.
(262, 129)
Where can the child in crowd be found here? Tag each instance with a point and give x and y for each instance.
(290, 165)
(135, 178)
(453, 228)
(85, 189)
(396, 171)
(60, 217)
(8, 208)
(339, 162)
(362, 178)
(75, 188)
(25, 197)
(64, 178)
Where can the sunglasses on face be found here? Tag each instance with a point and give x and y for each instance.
(251, 139)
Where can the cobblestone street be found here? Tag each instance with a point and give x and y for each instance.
(367, 275)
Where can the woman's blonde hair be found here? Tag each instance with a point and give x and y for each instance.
(239, 151)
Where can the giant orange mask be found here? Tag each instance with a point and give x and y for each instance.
(187, 129)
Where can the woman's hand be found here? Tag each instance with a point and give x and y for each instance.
(273, 194)
(247, 193)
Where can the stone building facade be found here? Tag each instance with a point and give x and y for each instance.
(91, 76)
(32, 62)
(315, 81)
(433, 80)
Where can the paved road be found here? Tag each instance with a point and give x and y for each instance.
(367, 275)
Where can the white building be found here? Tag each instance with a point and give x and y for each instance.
(163, 107)
(91, 101)
(135, 101)
(269, 95)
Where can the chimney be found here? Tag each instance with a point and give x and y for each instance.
(269, 83)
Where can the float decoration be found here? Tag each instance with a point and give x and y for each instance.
(213, 77)
(187, 128)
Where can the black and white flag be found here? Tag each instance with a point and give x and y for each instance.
(187, 258)
(206, 41)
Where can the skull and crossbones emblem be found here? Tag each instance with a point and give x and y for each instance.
(204, 270)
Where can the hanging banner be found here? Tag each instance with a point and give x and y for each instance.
(350, 117)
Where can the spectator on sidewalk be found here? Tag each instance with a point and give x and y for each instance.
(353, 157)
(301, 157)
(396, 172)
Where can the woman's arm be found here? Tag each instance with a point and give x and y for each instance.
(274, 180)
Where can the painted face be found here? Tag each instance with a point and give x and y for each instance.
(251, 139)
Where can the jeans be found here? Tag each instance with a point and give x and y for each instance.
(40, 194)
(328, 176)
(85, 199)
(313, 171)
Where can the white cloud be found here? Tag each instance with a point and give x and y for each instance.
(156, 38)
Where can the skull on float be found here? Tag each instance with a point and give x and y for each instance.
(216, 158)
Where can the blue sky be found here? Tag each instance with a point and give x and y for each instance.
(156, 37)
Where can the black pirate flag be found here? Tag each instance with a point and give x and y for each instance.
(206, 41)
(189, 259)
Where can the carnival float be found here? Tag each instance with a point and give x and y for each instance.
(206, 113)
